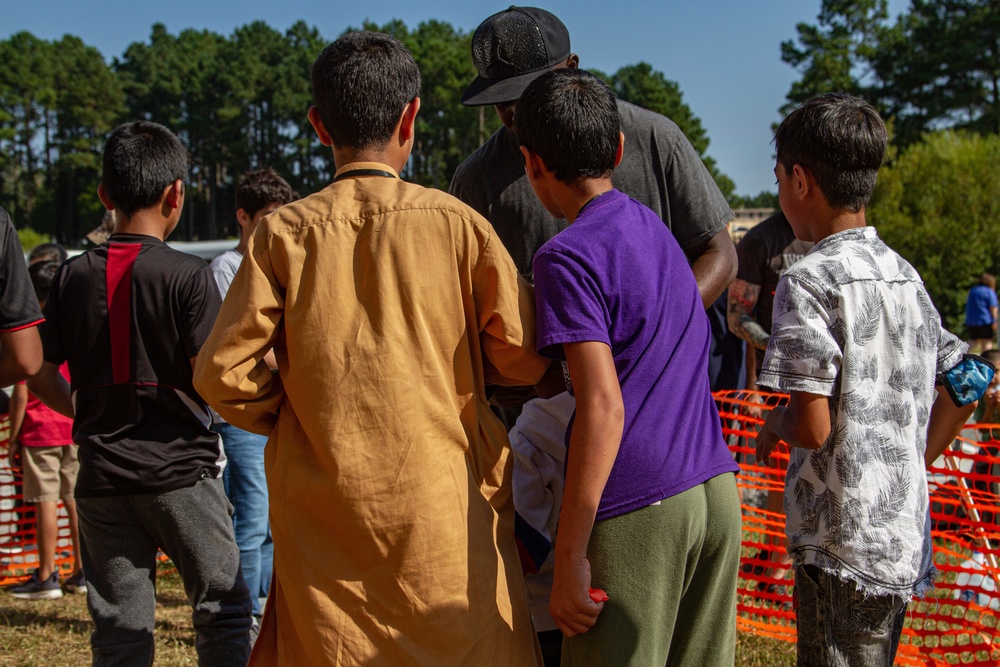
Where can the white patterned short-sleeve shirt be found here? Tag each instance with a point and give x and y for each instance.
(853, 321)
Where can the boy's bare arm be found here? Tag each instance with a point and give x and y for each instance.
(18, 404)
(804, 422)
(594, 443)
(51, 387)
(20, 355)
(714, 266)
(945, 422)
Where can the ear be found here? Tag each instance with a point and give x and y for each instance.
(533, 165)
(243, 218)
(803, 182)
(621, 148)
(173, 194)
(317, 123)
(102, 194)
(573, 61)
(408, 120)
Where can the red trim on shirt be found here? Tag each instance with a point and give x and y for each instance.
(23, 326)
(121, 259)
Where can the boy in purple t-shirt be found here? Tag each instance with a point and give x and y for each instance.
(650, 511)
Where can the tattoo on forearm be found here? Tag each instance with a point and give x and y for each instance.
(742, 299)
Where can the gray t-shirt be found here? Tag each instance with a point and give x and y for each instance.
(659, 168)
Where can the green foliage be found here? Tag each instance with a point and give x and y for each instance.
(937, 66)
(763, 199)
(833, 55)
(238, 102)
(938, 205)
(30, 238)
(643, 86)
(941, 66)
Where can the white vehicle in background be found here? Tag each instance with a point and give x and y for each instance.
(207, 250)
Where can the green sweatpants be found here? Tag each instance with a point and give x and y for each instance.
(670, 573)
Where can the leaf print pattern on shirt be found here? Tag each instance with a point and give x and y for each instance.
(852, 321)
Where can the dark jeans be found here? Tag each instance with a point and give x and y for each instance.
(121, 535)
(839, 626)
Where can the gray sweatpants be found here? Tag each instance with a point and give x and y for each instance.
(120, 537)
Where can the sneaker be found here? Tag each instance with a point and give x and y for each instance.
(77, 583)
(36, 589)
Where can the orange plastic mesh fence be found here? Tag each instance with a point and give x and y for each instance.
(957, 622)
(18, 542)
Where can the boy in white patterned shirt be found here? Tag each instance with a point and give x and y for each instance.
(857, 344)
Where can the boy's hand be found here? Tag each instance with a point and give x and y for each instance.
(570, 603)
(14, 455)
(767, 439)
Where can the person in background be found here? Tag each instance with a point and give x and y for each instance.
(42, 439)
(981, 314)
(258, 194)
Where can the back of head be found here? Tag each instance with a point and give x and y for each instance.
(42, 275)
(260, 188)
(569, 118)
(47, 252)
(841, 139)
(989, 280)
(361, 83)
(140, 160)
(510, 50)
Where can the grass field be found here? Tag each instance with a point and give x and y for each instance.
(54, 633)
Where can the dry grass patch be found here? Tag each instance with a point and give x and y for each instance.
(56, 633)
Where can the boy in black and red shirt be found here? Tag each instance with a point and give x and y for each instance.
(130, 317)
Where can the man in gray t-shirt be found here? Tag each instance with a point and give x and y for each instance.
(659, 167)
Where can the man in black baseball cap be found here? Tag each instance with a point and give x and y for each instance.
(659, 168)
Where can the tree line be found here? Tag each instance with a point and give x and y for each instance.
(238, 102)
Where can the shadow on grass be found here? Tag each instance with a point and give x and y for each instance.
(17, 617)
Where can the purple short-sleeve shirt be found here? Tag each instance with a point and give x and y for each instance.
(618, 276)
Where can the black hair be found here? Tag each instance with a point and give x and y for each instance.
(841, 139)
(140, 160)
(47, 252)
(42, 275)
(257, 189)
(569, 118)
(361, 83)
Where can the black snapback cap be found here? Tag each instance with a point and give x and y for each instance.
(510, 50)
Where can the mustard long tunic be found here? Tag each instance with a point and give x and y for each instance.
(389, 307)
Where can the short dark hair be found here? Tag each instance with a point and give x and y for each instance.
(361, 83)
(841, 139)
(42, 275)
(140, 160)
(989, 280)
(259, 188)
(569, 118)
(47, 252)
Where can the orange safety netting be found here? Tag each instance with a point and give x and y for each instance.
(956, 623)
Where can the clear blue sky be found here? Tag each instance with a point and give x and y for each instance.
(724, 54)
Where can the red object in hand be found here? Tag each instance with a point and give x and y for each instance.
(597, 595)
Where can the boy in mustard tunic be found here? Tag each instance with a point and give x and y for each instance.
(389, 307)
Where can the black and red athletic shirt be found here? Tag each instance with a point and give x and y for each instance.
(18, 304)
(129, 316)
